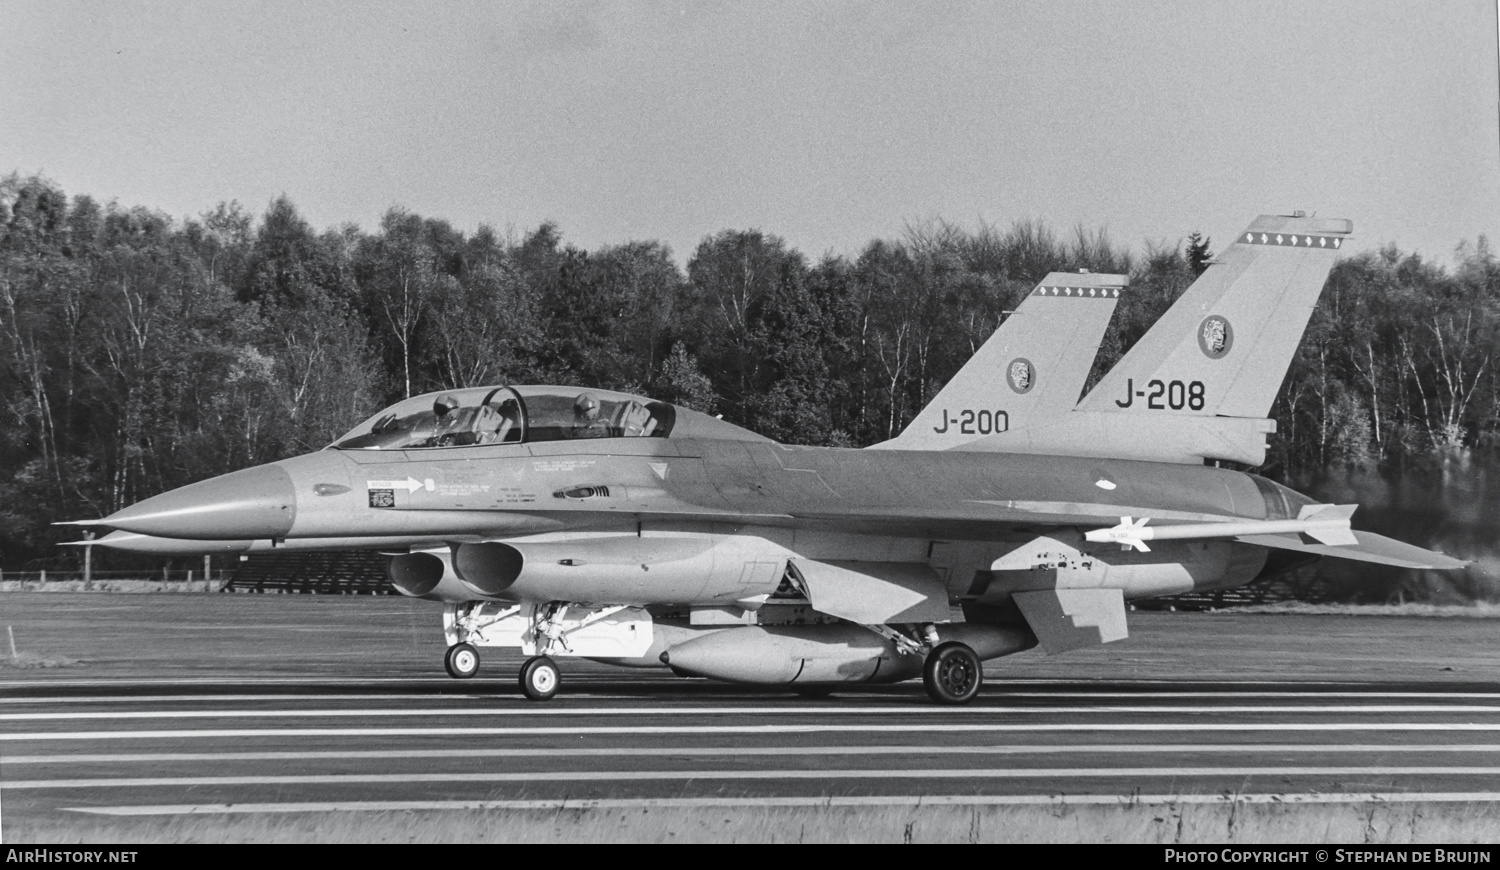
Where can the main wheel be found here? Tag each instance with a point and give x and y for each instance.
(462, 661)
(540, 678)
(952, 674)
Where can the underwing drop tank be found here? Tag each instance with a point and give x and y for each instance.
(844, 653)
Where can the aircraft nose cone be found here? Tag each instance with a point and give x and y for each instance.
(258, 502)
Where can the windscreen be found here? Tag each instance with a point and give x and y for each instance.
(502, 415)
(457, 419)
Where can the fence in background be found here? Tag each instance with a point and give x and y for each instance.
(348, 572)
(165, 575)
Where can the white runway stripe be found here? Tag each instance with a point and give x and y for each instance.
(841, 801)
(780, 729)
(614, 776)
(532, 711)
(754, 751)
(632, 676)
(999, 693)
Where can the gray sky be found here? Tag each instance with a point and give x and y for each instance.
(829, 124)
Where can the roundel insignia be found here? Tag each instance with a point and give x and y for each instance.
(1021, 375)
(1215, 337)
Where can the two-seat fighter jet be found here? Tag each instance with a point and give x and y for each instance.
(583, 522)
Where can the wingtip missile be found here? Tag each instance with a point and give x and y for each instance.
(1327, 524)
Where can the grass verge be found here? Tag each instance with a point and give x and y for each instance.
(30, 660)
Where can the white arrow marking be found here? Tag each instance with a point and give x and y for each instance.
(411, 484)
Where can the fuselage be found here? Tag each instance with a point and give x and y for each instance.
(395, 497)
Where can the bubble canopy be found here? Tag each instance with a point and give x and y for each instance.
(526, 414)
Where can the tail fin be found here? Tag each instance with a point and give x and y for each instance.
(1224, 347)
(1033, 367)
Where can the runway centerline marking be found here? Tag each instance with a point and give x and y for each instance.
(738, 775)
(780, 729)
(533, 711)
(738, 751)
(831, 801)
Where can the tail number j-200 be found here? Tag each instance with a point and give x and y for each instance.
(970, 422)
(1164, 395)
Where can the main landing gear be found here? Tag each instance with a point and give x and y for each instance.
(462, 661)
(952, 674)
(540, 678)
(541, 629)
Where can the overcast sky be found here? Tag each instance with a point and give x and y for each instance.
(829, 124)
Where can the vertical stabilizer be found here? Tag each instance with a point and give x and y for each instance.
(1224, 347)
(1033, 367)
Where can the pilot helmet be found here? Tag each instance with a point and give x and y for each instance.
(444, 405)
(586, 406)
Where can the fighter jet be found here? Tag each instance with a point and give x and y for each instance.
(1059, 324)
(583, 522)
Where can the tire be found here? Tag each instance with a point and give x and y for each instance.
(952, 674)
(461, 661)
(813, 692)
(540, 678)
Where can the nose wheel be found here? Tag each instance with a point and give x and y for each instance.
(952, 674)
(540, 678)
(461, 661)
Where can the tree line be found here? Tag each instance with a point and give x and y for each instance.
(139, 353)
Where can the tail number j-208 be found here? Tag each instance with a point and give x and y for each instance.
(1164, 395)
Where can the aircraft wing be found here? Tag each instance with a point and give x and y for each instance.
(1369, 547)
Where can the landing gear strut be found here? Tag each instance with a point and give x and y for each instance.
(461, 661)
(952, 674)
(540, 678)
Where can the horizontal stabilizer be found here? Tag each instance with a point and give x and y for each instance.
(1368, 547)
(1068, 619)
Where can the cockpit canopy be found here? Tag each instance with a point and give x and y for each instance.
(513, 415)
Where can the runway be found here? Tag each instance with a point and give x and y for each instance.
(229, 739)
(289, 746)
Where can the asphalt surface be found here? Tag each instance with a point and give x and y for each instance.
(217, 704)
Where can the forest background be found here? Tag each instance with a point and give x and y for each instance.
(139, 353)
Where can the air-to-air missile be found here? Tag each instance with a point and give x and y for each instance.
(583, 522)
